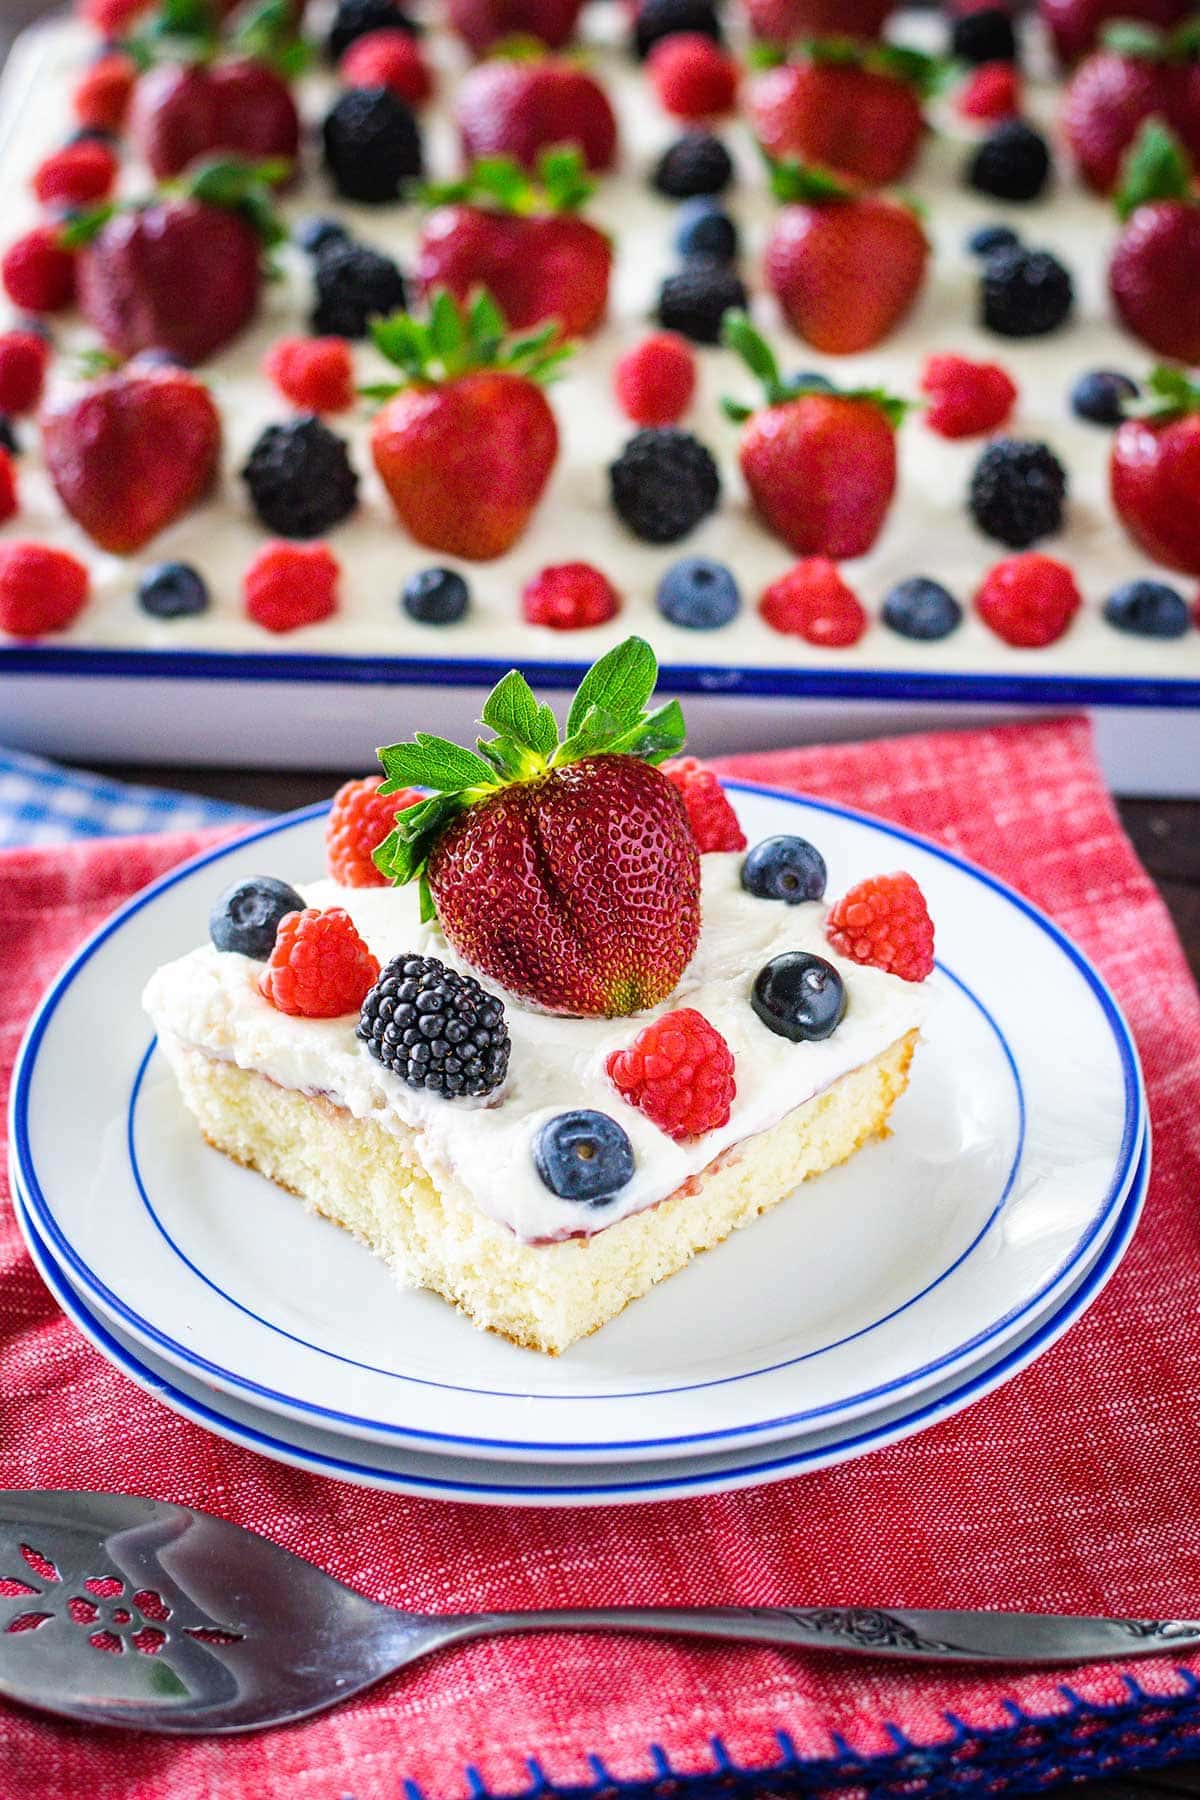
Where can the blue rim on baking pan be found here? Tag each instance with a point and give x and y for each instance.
(780, 1424)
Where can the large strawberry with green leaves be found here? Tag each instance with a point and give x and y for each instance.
(1155, 472)
(1154, 274)
(565, 870)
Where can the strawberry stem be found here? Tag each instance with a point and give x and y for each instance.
(740, 335)
(805, 184)
(457, 339)
(1156, 167)
(1174, 394)
(502, 185)
(926, 74)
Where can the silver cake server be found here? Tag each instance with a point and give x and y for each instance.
(123, 1611)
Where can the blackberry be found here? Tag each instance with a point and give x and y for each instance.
(657, 19)
(94, 134)
(1012, 163)
(300, 478)
(354, 18)
(663, 483)
(372, 145)
(1025, 293)
(316, 235)
(1017, 492)
(696, 299)
(353, 286)
(435, 1028)
(984, 36)
(8, 436)
(1102, 396)
(696, 163)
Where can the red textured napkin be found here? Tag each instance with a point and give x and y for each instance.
(1077, 1487)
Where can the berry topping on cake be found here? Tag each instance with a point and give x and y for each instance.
(436, 597)
(23, 359)
(656, 379)
(993, 91)
(695, 164)
(569, 597)
(852, 110)
(1147, 609)
(132, 453)
(695, 299)
(484, 23)
(354, 285)
(922, 609)
(985, 34)
(247, 915)
(1025, 293)
(679, 1072)
(315, 374)
(987, 238)
(390, 58)
(183, 112)
(1154, 472)
(705, 230)
(40, 589)
(1028, 600)
(884, 921)
(655, 20)
(692, 76)
(435, 1028)
(101, 96)
(300, 479)
(699, 594)
(966, 398)
(820, 466)
(1017, 492)
(1102, 396)
(799, 996)
(663, 484)
(583, 1155)
(564, 871)
(319, 967)
(38, 271)
(519, 109)
(812, 601)
(372, 145)
(353, 19)
(289, 585)
(8, 487)
(1154, 275)
(78, 175)
(466, 440)
(359, 820)
(173, 591)
(1012, 163)
(785, 868)
(713, 821)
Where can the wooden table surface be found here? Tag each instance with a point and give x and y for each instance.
(1166, 833)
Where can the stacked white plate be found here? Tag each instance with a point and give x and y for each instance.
(881, 1298)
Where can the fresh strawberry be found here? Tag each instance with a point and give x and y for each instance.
(9, 498)
(78, 175)
(483, 23)
(388, 58)
(992, 91)
(844, 267)
(565, 872)
(884, 921)
(853, 111)
(359, 820)
(519, 109)
(100, 98)
(820, 466)
(132, 453)
(693, 77)
(467, 440)
(1137, 74)
(1154, 473)
(522, 241)
(966, 398)
(183, 112)
(1154, 273)
(1076, 25)
(205, 242)
(785, 22)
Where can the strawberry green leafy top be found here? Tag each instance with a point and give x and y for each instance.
(739, 334)
(459, 339)
(608, 717)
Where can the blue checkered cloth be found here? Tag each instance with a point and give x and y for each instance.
(41, 803)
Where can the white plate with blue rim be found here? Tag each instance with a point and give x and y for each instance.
(1011, 1157)
(397, 1469)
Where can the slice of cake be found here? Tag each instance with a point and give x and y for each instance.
(559, 1031)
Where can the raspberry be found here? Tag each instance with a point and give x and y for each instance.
(110, 17)
(1028, 600)
(359, 820)
(884, 921)
(569, 597)
(388, 58)
(655, 380)
(679, 1072)
(102, 94)
(967, 397)
(993, 91)
(77, 176)
(291, 584)
(713, 821)
(812, 601)
(38, 272)
(23, 359)
(320, 968)
(692, 77)
(40, 589)
(315, 374)
(8, 487)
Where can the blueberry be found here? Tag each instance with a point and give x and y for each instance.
(921, 608)
(986, 238)
(583, 1156)
(704, 230)
(1100, 396)
(246, 916)
(698, 594)
(811, 379)
(785, 868)
(159, 359)
(1147, 609)
(8, 436)
(315, 235)
(435, 597)
(799, 996)
(172, 591)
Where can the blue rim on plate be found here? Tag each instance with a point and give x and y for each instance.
(778, 1425)
(925, 1412)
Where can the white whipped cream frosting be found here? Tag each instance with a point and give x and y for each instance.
(209, 1000)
